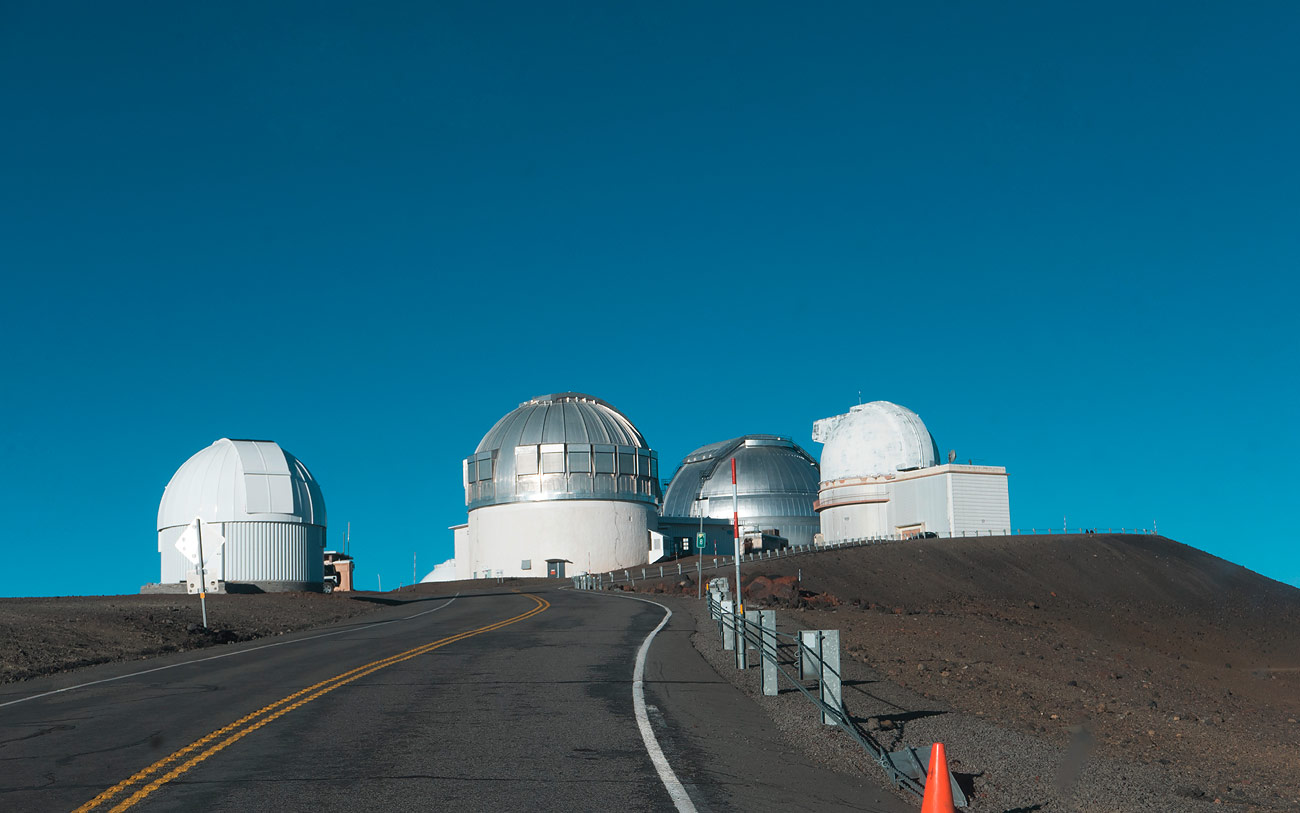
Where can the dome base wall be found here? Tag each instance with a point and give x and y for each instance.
(254, 553)
(589, 535)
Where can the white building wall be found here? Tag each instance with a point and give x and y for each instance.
(948, 499)
(460, 543)
(450, 571)
(980, 503)
(592, 535)
(921, 501)
(860, 521)
(255, 552)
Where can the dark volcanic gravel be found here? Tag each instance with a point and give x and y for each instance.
(40, 636)
(1090, 673)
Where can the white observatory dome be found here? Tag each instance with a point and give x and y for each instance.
(873, 439)
(265, 503)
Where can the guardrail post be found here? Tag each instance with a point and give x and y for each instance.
(725, 615)
(829, 684)
(742, 640)
(628, 576)
(753, 631)
(767, 652)
(679, 568)
(807, 648)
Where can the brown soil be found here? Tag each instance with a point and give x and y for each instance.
(1161, 654)
(41, 636)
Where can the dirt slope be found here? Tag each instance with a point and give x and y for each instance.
(39, 636)
(1165, 655)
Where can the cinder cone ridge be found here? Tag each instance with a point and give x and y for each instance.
(938, 787)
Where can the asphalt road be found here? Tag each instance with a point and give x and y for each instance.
(495, 701)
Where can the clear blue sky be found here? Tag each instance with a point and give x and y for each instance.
(1065, 234)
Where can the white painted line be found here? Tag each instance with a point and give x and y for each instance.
(671, 783)
(223, 655)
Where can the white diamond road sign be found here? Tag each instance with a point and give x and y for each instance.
(188, 544)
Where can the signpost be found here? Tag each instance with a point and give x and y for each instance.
(190, 544)
(699, 562)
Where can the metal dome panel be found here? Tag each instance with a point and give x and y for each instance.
(565, 446)
(776, 484)
(242, 481)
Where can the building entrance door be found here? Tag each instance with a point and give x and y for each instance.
(555, 568)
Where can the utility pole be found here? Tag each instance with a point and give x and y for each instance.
(735, 532)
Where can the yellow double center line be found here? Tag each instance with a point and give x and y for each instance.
(204, 747)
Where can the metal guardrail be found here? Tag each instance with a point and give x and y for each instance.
(597, 581)
(808, 657)
(815, 660)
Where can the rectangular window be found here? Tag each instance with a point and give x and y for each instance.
(643, 462)
(579, 458)
(485, 466)
(553, 458)
(469, 471)
(626, 460)
(604, 459)
(654, 465)
(525, 460)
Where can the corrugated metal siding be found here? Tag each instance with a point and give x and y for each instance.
(174, 565)
(980, 503)
(273, 551)
(920, 501)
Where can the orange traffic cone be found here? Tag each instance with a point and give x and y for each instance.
(938, 786)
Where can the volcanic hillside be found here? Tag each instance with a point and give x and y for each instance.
(1164, 655)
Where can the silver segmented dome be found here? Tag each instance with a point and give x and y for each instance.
(567, 446)
(776, 486)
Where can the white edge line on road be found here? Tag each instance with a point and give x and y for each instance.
(666, 775)
(223, 655)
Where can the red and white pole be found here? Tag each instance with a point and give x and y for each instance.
(735, 531)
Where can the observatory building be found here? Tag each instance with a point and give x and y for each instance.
(776, 488)
(881, 479)
(265, 504)
(563, 484)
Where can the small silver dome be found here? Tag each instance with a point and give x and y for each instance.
(566, 446)
(776, 486)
